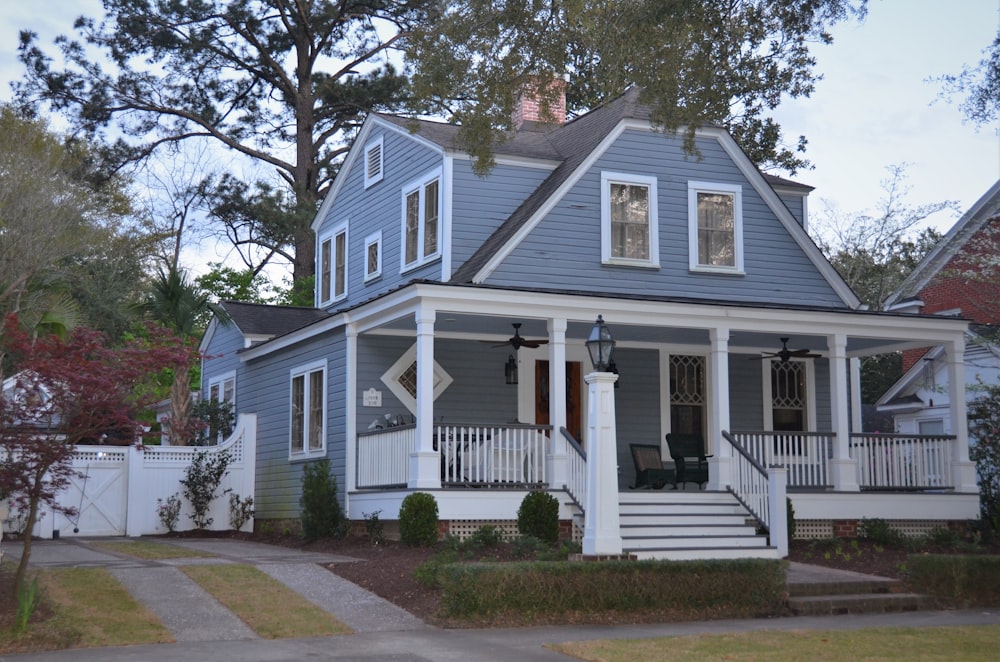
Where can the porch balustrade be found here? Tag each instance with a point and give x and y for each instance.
(806, 455)
(576, 479)
(481, 455)
(903, 462)
(749, 481)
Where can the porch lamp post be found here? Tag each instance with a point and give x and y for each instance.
(602, 528)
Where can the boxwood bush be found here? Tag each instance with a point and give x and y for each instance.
(538, 517)
(418, 520)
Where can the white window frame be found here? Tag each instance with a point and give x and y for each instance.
(371, 147)
(217, 392)
(305, 372)
(420, 185)
(768, 402)
(628, 179)
(694, 188)
(442, 380)
(374, 239)
(321, 280)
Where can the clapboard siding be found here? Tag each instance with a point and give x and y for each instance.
(795, 205)
(746, 405)
(481, 204)
(564, 250)
(221, 356)
(267, 391)
(379, 207)
(637, 406)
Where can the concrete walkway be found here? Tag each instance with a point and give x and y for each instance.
(204, 629)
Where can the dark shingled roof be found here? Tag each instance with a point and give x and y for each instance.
(258, 319)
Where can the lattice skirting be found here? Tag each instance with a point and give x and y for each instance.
(817, 529)
(462, 529)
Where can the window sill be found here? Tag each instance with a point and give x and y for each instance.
(720, 271)
(305, 456)
(372, 278)
(625, 262)
(413, 266)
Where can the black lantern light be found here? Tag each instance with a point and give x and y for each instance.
(510, 369)
(601, 346)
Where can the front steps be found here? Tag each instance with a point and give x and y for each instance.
(859, 594)
(683, 525)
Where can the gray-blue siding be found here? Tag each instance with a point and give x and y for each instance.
(379, 207)
(794, 203)
(564, 250)
(267, 391)
(221, 352)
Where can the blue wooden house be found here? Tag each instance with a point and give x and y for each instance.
(446, 349)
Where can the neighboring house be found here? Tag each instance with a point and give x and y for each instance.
(414, 374)
(950, 281)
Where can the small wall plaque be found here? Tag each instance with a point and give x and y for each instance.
(372, 398)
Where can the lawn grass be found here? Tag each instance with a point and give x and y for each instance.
(147, 549)
(270, 608)
(86, 607)
(930, 643)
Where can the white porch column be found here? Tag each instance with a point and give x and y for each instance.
(855, 368)
(718, 410)
(425, 463)
(843, 470)
(557, 402)
(602, 526)
(351, 409)
(963, 470)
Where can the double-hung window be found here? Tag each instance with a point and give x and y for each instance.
(333, 265)
(715, 227)
(373, 256)
(629, 227)
(308, 410)
(222, 393)
(421, 221)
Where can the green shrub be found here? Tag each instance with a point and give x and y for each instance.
(322, 516)
(957, 580)
(418, 520)
(374, 528)
(880, 532)
(681, 589)
(201, 479)
(485, 537)
(538, 516)
(790, 514)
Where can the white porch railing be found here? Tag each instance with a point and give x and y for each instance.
(902, 462)
(383, 458)
(576, 478)
(806, 455)
(497, 455)
(762, 491)
(493, 455)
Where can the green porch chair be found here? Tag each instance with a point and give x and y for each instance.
(688, 453)
(649, 469)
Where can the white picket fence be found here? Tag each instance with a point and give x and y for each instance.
(118, 487)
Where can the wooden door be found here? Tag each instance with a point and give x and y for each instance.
(574, 382)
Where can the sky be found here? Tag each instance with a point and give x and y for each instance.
(875, 106)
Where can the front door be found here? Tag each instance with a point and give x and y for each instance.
(574, 371)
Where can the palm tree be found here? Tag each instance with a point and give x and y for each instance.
(181, 306)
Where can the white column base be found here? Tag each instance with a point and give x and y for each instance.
(719, 472)
(845, 475)
(964, 477)
(425, 471)
(602, 523)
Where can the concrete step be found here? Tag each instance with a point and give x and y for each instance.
(707, 509)
(859, 603)
(692, 530)
(849, 587)
(631, 544)
(701, 553)
(685, 519)
(675, 496)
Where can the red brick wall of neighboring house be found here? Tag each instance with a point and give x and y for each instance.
(969, 282)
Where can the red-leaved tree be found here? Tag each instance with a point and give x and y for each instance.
(66, 390)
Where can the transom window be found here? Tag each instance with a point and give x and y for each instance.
(421, 221)
(629, 227)
(333, 266)
(307, 436)
(715, 230)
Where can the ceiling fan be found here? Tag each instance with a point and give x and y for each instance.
(785, 354)
(517, 341)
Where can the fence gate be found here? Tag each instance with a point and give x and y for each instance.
(99, 493)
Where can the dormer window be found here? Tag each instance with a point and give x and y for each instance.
(629, 226)
(373, 162)
(715, 227)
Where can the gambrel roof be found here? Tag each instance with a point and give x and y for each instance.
(984, 210)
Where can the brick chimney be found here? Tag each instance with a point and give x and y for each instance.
(528, 107)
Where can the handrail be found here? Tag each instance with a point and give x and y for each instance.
(745, 491)
(576, 483)
(763, 492)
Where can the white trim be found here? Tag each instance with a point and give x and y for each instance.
(305, 371)
(442, 380)
(419, 186)
(373, 239)
(768, 403)
(652, 219)
(696, 187)
(444, 213)
(509, 160)
(331, 236)
(370, 147)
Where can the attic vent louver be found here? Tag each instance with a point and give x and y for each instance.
(373, 162)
